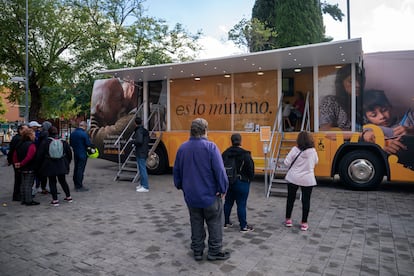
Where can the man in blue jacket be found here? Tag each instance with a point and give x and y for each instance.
(199, 172)
(79, 141)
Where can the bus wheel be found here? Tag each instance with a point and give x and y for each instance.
(157, 162)
(361, 170)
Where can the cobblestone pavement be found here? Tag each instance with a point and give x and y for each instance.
(112, 230)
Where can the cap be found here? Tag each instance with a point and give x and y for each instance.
(34, 124)
(46, 125)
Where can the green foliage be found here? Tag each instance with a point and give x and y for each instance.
(284, 23)
(253, 34)
(70, 40)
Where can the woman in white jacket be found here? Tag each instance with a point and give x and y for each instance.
(302, 160)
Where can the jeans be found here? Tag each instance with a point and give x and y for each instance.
(213, 216)
(306, 195)
(238, 192)
(78, 171)
(142, 167)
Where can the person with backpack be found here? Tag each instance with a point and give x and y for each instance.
(240, 171)
(56, 156)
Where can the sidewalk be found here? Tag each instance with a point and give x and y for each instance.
(112, 230)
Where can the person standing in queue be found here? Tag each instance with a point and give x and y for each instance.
(239, 190)
(79, 141)
(301, 161)
(141, 141)
(24, 161)
(17, 174)
(199, 172)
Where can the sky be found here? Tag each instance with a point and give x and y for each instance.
(383, 25)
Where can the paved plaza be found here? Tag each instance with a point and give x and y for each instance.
(112, 230)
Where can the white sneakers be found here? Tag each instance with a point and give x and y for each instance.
(141, 189)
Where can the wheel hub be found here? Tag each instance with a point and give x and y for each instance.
(361, 171)
(153, 161)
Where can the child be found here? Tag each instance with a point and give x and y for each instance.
(398, 133)
(378, 111)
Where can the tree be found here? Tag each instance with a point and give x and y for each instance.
(70, 40)
(290, 23)
(253, 34)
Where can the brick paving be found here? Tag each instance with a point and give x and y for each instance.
(112, 230)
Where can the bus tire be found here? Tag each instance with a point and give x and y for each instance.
(157, 163)
(361, 170)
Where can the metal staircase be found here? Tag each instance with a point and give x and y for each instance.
(280, 147)
(127, 168)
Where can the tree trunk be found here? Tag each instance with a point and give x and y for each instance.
(35, 99)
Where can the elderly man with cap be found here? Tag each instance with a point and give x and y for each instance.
(79, 141)
(199, 172)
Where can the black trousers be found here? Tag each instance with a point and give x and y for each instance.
(63, 183)
(17, 184)
(306, 195)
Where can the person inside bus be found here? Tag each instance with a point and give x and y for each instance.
(378, 111)
(335, 110)
(298, 109)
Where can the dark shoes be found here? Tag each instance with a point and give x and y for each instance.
(82, 189)
(198, 256)
(31, 203)
(218, 256)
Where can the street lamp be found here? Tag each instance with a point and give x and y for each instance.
(26, 111)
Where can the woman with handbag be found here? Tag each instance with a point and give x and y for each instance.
(301, 160)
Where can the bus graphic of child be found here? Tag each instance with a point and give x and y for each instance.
(398, 132)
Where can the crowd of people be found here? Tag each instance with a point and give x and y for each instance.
(40, 159)
(199, 171)
(39, 156)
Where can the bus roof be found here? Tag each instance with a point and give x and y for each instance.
(327, 53)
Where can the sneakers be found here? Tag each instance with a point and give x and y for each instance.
(68, 199)
(54, 203)
(218, 256)
(142, 190)
(82, 189)
(138, 187)
(288, 223)
(304, 226)
(246, 229)
(228, 225)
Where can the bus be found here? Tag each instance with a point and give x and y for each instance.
(338, 93)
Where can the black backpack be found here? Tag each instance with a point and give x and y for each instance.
(230, 165)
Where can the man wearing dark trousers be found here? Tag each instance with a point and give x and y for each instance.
(199, 172)
(79, 141)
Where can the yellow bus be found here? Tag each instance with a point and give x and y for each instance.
(333, 89)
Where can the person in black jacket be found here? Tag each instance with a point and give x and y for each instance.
(141, 141)
(17, 174)
(55, 167)
(239, 190)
